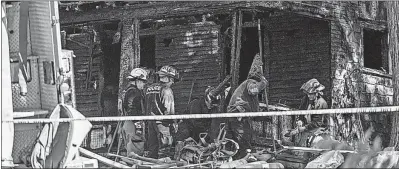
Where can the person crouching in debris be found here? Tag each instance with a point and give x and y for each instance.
(312, 101)
(133, 105)
(207, 104)
(245, 99)
(160, 101)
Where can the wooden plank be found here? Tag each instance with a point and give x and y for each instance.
(322, 66)
(157, 10)
(197, 28)
(185, 44)
(233, 72)
(187, 51)
(185, 54)
(198, 59)
(207, 33)
(306, 149)
(238, 48)
(86, 97)
(87, 107)
(393, 31)
(102, 159)
(135, 62)
(80, 91)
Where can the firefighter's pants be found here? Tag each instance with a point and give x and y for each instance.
(240, 131)
(157, 134)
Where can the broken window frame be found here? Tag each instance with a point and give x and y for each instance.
(386, 59)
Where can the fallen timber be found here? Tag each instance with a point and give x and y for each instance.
(219, 115)
(306, 149)
(102, 159)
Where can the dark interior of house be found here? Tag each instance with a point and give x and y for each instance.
(111, 66)
(250, 47)
(372, 48)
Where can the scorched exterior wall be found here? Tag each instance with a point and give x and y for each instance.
(194, 51)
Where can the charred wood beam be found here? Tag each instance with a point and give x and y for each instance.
(236, 67)
(160, 10)
(232, 53)
(393, 31)
(136, 43)
(381, 26)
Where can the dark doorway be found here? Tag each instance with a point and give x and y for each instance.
(112, 53)
(147, 55)
(249, 48)
(147, 51)
(111, 47)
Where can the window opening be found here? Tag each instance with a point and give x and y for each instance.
(375, 56)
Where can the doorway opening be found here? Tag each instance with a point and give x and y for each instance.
(111, 48)
(147, 55)
(249, 48)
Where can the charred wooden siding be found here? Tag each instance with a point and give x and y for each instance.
(299, 51)
(364, 87)
(87, 99)
(194, 51)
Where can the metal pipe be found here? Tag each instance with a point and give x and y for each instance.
(218, 115)
(23, 88)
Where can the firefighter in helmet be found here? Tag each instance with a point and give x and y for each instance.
(312, 100)
(209, 103)
(160, 101)
(245, 99)
(132, 104)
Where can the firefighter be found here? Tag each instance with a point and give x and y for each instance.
(207, 104)
(245, 99)
(133, 105)
(313, 100)
(160, 101)
(310, 126)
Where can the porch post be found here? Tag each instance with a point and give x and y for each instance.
(126, 52)
(233, 72)
(393, 31)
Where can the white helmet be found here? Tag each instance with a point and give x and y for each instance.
(138, 73)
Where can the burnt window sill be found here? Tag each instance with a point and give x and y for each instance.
(376, 72)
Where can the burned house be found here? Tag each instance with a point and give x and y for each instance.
(348, 46)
